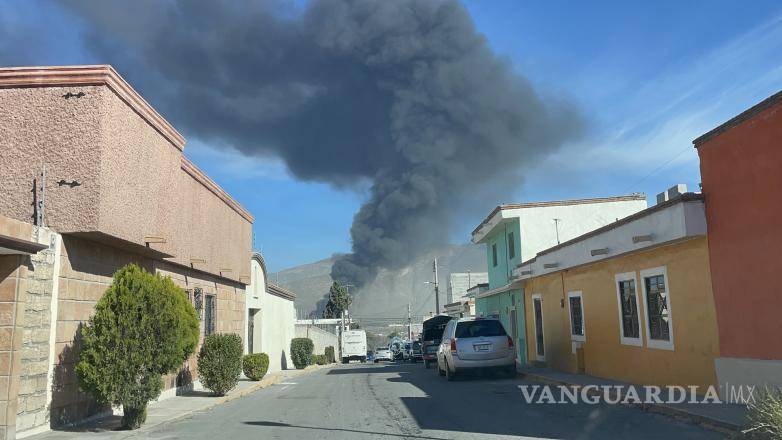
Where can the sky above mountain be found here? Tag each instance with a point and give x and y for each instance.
(646, 78)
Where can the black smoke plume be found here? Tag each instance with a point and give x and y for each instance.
(405, 96)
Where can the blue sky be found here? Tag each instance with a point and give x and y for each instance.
(649, 76)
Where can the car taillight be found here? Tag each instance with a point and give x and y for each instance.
(453, 345)
(510, 342)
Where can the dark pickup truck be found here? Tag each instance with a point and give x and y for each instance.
(431, 336)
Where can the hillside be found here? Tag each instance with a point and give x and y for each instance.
(387, 297)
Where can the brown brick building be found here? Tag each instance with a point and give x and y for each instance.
(95, 178)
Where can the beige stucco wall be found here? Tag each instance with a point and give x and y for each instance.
(134, 181)
(38, 125)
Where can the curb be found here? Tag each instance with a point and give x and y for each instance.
(663, 409)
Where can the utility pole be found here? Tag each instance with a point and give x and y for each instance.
(436, 289)
(409, 324)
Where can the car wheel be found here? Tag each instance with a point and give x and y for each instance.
(448, 374)
(376, 361)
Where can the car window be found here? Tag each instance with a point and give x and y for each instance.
(474, 329)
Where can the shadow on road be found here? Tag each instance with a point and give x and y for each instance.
(485, 404)
(319, 428)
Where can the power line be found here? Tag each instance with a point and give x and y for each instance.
(658, 169)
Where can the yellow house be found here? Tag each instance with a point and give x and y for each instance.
(631, 301)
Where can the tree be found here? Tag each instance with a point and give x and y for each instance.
(143, 327)
(339, 301)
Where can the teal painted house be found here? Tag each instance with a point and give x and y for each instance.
(504, 299)
(514, 233)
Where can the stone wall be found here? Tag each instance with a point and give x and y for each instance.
(36, 331)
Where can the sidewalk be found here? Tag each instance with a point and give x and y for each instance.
(167, 410)
(725, 416)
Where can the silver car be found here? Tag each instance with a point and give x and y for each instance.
(470, 344)
(383, 354)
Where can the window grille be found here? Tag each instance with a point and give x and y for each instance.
(631, 328)
(198, 298)
(657, 306)
(209, 315)
(576, 316)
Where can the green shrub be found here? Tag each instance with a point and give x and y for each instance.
(301, 352)
(220, 362)
(320, 359)
(255, 365)
(143, 327)
(764, 415)
(329, 353)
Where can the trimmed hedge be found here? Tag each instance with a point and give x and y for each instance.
(320, 359)
(220, 362)
(301, 352)
(329, 353)
(255, 365)
(143, 327)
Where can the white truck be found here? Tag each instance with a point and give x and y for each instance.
(354, 346)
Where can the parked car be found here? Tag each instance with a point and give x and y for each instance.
(470, 344)
(415, 351)
(431, 337)
(383, 354)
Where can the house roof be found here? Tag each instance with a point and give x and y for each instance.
(686, 197)
(737, 120)
(557, 203)
(276, 290)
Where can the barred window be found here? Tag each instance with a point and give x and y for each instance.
(198, 301)
(209, 315)
(657, 307)
(576, 316)
(628, 301)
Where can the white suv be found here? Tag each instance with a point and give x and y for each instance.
(475, 343)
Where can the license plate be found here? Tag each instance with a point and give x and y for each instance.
(482, 347)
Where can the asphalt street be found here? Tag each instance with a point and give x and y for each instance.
(362, 401)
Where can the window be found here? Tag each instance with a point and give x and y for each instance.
(576, 316)
(629, 314)
(537, 316)
(209, 315)
(659, 323)
(474, 329)
(198, 298)
(511, 247)
(494, 255)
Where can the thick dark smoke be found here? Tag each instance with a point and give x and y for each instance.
(403, 95)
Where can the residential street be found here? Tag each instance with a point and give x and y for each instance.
(406, 401)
